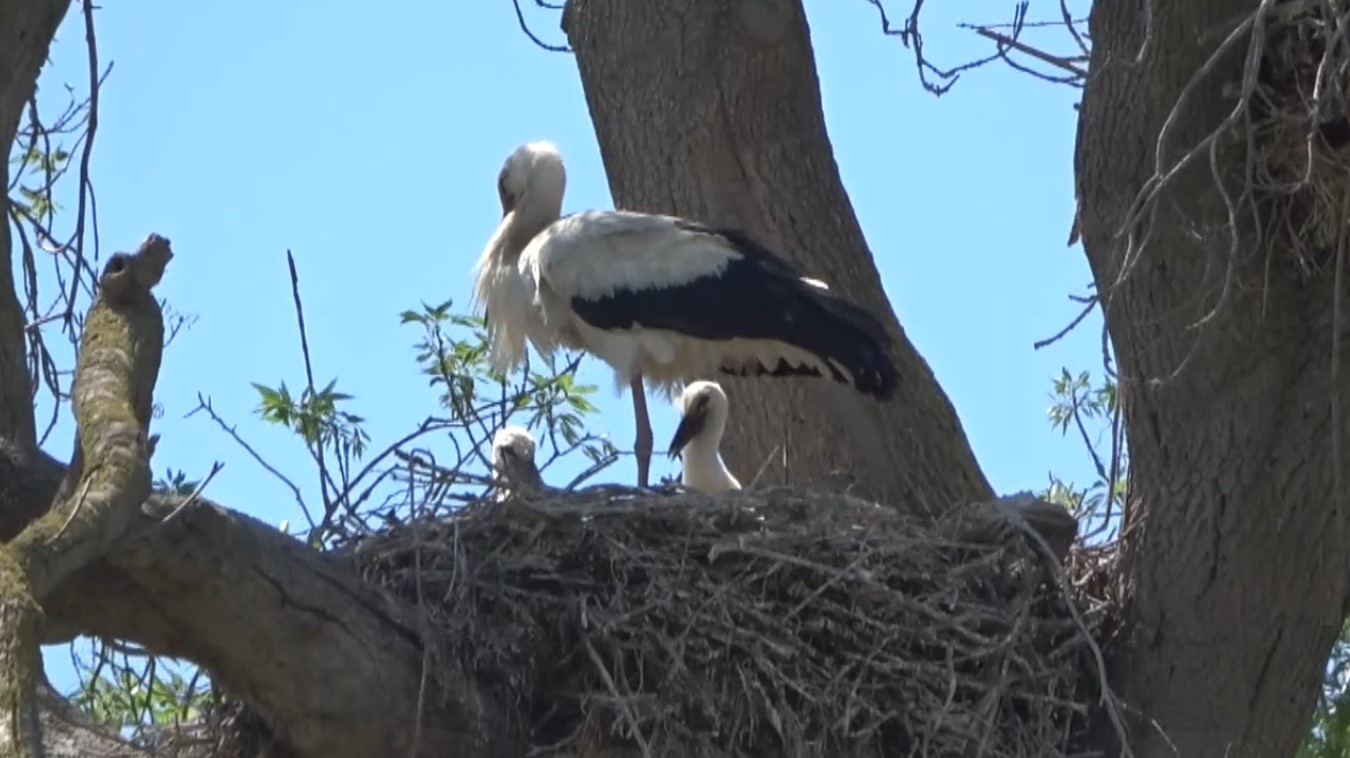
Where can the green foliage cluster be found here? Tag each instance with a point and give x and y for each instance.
(458, 367)
(472, 401)
(1092, 412)
(36, 170)
(315, 418)
(142, 705)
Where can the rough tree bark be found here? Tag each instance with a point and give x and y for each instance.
(712, 110)
(1236, 561)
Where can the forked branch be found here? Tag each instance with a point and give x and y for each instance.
(109, 479)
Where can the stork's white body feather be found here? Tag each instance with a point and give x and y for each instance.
(703, 470)
(508, 299)
(590, 255)
(594, 254)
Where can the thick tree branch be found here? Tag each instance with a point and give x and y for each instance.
(333, 665)
(120, 352)
(109, 477)
(26, 32)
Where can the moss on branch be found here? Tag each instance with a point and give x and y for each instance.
(109, 478)
(19, 615)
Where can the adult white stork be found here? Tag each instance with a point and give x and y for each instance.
(513, 466)
(658, 298)
(703, 419)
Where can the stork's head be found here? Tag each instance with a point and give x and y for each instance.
(703, 414)
(533, 178)
(511, 446)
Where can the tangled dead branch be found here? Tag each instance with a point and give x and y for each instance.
(775, 623)
(1285, 69)
(1299, 110)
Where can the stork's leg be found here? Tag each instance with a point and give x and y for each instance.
(643, 446)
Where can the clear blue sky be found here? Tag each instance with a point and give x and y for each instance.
(369, 144)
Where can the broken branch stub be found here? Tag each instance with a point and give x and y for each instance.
(118, 365)
(115, 374)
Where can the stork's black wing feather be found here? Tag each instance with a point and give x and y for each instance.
(759, 296)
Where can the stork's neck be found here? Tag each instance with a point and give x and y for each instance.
(703, 468)
(531, 218)
(521, 227)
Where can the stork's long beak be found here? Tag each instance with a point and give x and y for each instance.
(691, 424)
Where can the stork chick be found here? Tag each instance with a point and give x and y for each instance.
(513, 467)
(662, 300)
(703, 419)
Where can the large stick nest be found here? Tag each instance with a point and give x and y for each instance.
(776, 624)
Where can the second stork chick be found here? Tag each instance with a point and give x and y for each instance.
(703, 420)
(513, 466)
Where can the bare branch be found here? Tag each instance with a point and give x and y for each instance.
(28, 29)
(1005, 42)
(525, 26)
(326, 485)
(86, 189)
(1067, 64)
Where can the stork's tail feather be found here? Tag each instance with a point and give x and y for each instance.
(863, 348)
(850, 342)
(840, 341)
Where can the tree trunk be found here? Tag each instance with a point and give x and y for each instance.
(1235, 559)
(711, 110)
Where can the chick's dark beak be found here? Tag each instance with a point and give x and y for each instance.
(691, 424)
